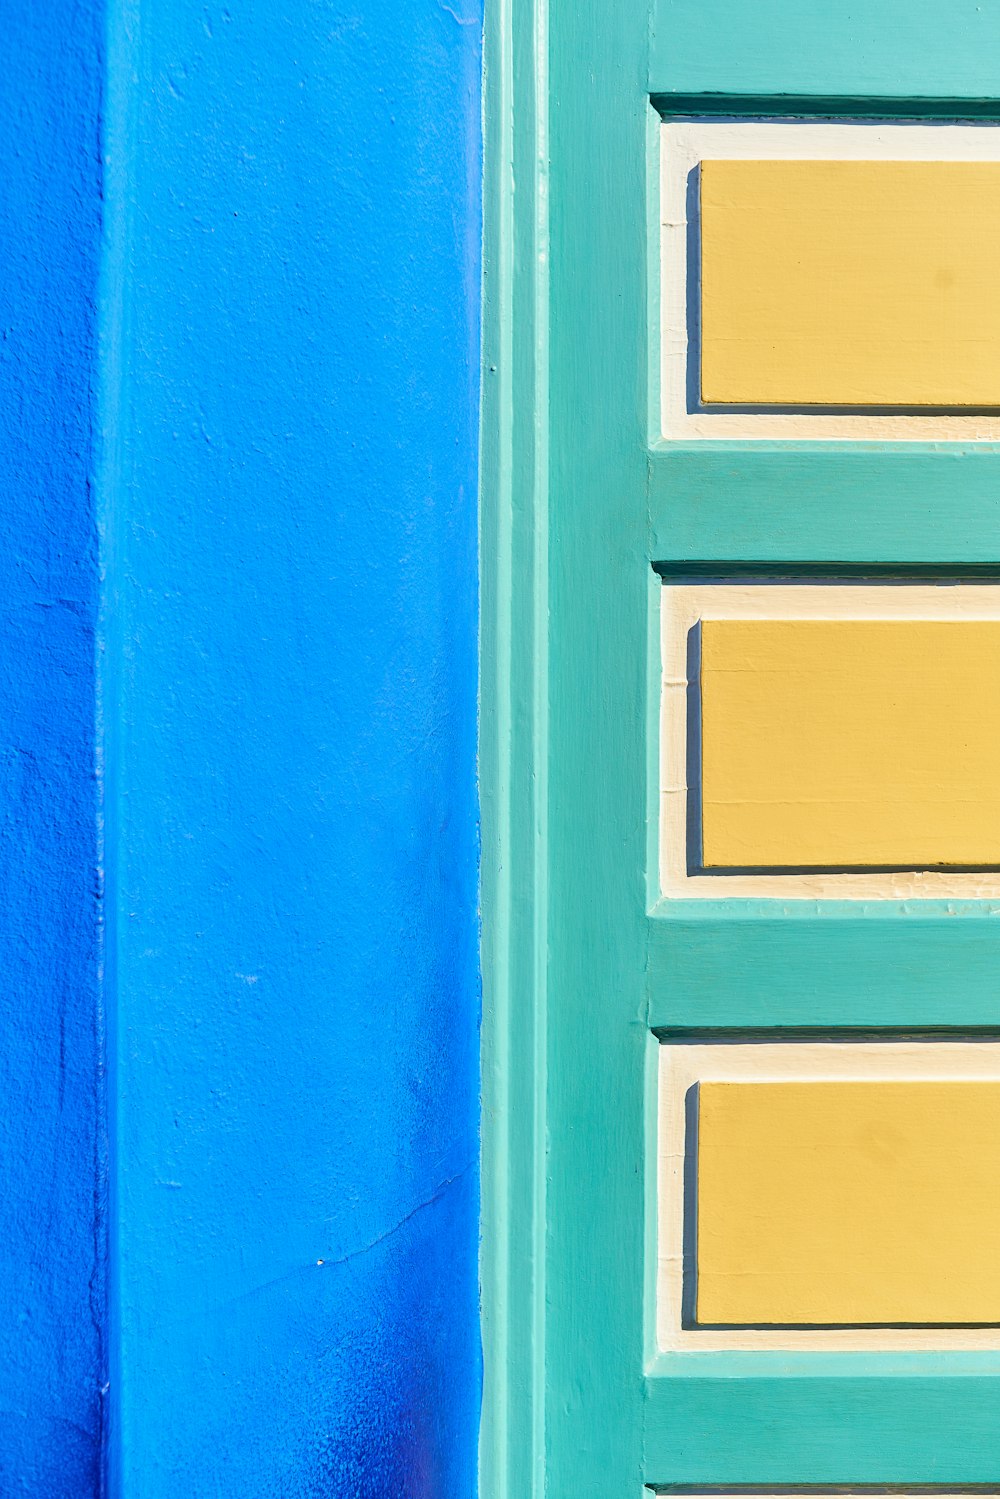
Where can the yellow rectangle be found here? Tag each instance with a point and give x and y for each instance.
(850, 283)
(848, 1203)
(847, 744)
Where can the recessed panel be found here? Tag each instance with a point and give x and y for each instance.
(830, 739)
(829, 1194)
(829, 279)
(850, 283)
(848, 1204)
(850, 743)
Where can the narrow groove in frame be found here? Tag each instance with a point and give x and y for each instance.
(789, 408)
(828, 573)
(813, 107)
(821, 1327)
(825, 1488)
(749, 1035)
(723, 871)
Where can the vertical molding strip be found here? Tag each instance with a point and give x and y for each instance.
(121, 23)
(540, 760)
(513, 753)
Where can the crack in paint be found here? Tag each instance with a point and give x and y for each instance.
(352, 1254)
(436, 1195)
(459, 20)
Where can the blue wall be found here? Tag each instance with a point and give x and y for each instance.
(51, 1221)
(261, 386)
(293, 565)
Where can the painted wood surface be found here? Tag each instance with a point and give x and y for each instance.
(843, 1419)
(847, 1203)
(585, 500)
(712, 1064)
(850, 283)
(693, 150)
(783, 504)
(909, 51)
(844, 743)
(828, 740)
(769, 964)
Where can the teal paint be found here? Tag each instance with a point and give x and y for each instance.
(584, 509)
(51, 1147)
(830, 963)
(291, 701)
(901, 49)
(886, 1420)
(813, 503)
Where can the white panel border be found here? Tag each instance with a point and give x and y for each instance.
(686, 143)
(683, 1065)
(683, 605)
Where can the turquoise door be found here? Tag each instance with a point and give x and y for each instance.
(742, 864)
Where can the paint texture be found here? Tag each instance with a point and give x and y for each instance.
(239, 343)
(839, 1184)
(51, 1222)
(850, 283)
(844, 1204)
(295, 592)
(613, 959)
(907, 50)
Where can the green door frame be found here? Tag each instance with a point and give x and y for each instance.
(584, 509)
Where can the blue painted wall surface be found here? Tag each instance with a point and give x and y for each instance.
(51, 1222)
(291, 689)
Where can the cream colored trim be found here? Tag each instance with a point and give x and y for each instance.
(685, 143)
(683, 605)
(681, 1067)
